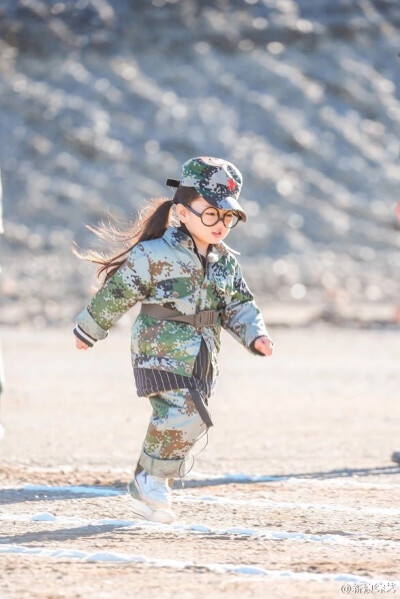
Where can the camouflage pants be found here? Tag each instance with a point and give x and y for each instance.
(174, 427)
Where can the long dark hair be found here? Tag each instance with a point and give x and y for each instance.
(151, 223)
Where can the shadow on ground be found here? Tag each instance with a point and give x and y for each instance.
(238, 479)
(20, 495)
(66, 534)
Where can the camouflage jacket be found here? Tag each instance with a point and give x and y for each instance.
(168, 272)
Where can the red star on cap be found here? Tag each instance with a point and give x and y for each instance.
(231, 185)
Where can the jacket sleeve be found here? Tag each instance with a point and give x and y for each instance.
(129, 284)
(241, 317)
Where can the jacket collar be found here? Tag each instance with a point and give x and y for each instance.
(175, 236)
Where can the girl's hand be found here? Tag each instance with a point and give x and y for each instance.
(80, 345)
(263, 345)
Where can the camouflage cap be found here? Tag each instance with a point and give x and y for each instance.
(217, 180)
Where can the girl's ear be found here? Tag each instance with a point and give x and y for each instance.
(181, 212)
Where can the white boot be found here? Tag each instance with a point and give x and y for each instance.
(154, 490)
(151, 497)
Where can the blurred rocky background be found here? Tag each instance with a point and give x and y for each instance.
(102, 100)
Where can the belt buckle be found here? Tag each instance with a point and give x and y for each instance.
(205, 318)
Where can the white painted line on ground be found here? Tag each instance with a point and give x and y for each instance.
(113, 557)
(75, 489)
(267, 503)
(181, 528)
(343, 477)
(293, 480)
(48, 517)
(183, 498)
(223, 479)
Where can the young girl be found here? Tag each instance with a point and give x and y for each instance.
(190, 284)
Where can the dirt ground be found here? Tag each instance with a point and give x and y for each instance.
(311, 430)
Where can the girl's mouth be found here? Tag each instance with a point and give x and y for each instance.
(216, 234)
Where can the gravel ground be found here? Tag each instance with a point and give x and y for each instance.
(314, 513)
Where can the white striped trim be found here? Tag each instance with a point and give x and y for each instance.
(87, 337)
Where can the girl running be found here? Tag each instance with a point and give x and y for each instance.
(190, 285)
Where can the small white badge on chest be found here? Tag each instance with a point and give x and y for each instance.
(212, 257)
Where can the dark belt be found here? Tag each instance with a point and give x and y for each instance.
(205, 318)
(201, 407)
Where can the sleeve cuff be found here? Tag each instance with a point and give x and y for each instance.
(83, 336)
(89, 327)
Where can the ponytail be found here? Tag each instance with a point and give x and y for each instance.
(153, 219)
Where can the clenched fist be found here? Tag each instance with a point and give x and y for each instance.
(263, 345)
(80, 345)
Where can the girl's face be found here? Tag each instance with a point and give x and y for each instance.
(203, 235)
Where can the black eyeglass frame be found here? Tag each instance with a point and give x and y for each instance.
(200, 215)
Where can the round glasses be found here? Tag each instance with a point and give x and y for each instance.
(211, 216)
